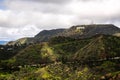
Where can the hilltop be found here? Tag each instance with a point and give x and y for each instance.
(78, 31)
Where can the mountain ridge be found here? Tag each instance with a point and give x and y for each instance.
(78, 31)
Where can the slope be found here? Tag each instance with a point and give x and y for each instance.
(35, 54)
(94, 48)
(101, 47)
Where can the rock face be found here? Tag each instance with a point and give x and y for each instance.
(79, 31)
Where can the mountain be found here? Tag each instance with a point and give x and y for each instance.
(21, 41)
(45, 35)
(3, 42)
(79, 31)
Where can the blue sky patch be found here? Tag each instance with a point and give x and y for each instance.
(2, 6)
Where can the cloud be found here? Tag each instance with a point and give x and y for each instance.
(23, 18)
(50, 1)
(15, 33)
(44, 1)
(16, 19)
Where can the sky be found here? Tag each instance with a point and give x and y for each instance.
(26, 18)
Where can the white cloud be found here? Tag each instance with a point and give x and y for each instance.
(15, 33)
(27, 17)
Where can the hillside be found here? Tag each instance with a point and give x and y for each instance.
(66, 58)
(102, 47)
(45, 35)
(65, 55)
(94, 48)
(85, 31)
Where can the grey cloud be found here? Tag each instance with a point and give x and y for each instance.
(50, 1)
(34, 5)
(46, 1)
(90, 0)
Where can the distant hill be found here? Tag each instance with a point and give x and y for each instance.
(21, 41)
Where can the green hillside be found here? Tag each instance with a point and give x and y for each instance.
(65, 49)
(65, 58)
(35, 54)
(102, 47)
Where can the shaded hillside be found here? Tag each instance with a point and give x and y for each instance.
(45, 35)
(67, 48)
(7, 52)
(85, 31)
(91, 51)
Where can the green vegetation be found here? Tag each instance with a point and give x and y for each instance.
(63, 58)
(57, 71)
